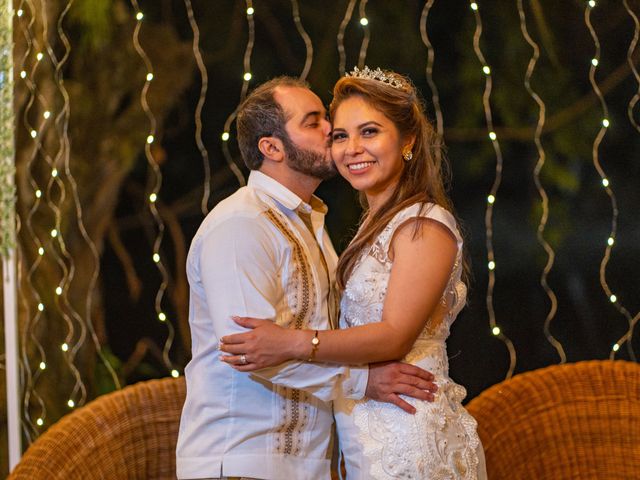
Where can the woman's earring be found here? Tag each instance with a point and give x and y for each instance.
(407, 155)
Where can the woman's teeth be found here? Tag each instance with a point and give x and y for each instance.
(360, 166)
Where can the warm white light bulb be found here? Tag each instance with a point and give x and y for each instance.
(474, 6)
(605, 182)
(616, 347)
(492, 265)
(156, 257)
(153, 197)
(150, 139)
(492, 135)
(54, 172)
(19, 12)
(59, 291)
(250, 11)
(592, 3)
(175, 373)
(39, 56)
(23, 74)
(162, 317)
(41, 307)
(39, 422)
(46, 114)
(43, 365)
(225, 136)
(71, 403)
(54, 233)
(41, 251)
(594, 62)
(610, 241)
(139, 16)
(38, 193)
(364, 21)
(65, 347)
(486, 70)
(495, 330)
(491, 199)
(605, 122)
(34, 134)
(149, 77)
(613, 298)
(247, 76)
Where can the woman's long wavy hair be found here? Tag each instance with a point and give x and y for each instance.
(423, 178)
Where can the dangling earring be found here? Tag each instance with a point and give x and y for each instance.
(407, 155)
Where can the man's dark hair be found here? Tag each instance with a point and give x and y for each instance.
(260, 115)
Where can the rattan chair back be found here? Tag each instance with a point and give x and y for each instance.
(571, 421)
(128, 434)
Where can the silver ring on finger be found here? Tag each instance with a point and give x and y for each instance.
(243, 359)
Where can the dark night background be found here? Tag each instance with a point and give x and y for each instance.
(586, 324)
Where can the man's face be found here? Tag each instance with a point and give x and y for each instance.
(308, 147)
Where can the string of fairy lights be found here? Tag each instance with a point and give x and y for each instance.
(544, 198)
(153, 189)
(246, 78)
(50, 183)
(628, 336)
(491, 198)
(204, 84)
(435, 96)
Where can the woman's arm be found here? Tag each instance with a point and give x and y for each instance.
(422, 265)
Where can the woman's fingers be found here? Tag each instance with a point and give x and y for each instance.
(236, 348)
(249, 322)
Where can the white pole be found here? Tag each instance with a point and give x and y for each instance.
(7, 231)
(11, 358)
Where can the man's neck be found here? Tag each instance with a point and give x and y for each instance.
(300, 184)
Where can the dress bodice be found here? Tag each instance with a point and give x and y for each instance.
(363, 299)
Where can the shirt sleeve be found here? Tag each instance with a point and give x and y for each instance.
(239, 269)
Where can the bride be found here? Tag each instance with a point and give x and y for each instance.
(402, 287)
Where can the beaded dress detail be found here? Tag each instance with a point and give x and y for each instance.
(379, 440)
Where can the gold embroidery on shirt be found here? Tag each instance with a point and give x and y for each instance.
(295, 406)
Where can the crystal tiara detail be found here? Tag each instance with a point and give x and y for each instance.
(367, 74)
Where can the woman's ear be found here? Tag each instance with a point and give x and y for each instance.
(408, 143)
(272, 148)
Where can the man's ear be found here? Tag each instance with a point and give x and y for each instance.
(272, 148)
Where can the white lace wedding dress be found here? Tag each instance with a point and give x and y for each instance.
(379, 440)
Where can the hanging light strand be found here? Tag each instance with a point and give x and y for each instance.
(606, 183)
(305, 37)
(544, 198)
(632, 48)
(245, 87)
(364, 22)
(204, 84)
(155, 182)
(340, 39)
(62, 121)
(435, 97)
(491, 198)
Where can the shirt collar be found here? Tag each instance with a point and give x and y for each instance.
(283, 195)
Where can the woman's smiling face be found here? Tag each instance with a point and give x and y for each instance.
(366, 148)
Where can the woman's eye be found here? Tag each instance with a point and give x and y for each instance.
(336, 137)
(367, 132)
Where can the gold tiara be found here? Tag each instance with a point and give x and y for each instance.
(377, 75)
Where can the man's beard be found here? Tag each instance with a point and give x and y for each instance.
(309, 162)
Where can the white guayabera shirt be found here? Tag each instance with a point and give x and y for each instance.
(254, 256)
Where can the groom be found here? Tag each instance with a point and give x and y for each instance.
(264, 253)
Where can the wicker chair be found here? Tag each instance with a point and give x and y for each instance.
(128, 434)
(572, 421)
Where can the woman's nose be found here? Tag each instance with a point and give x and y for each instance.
(353, 146)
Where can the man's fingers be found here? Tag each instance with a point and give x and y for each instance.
(399, 402)
(414, 392)
(417, 382)
(414, 371)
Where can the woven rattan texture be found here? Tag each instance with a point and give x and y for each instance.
(572, 421)
(128, 434)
